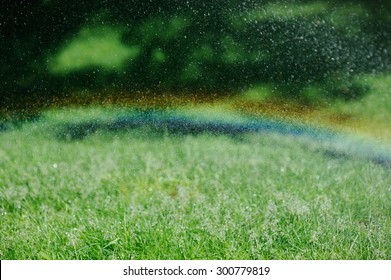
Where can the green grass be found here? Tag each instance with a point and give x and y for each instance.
(374, 107)
(287, 11)
(93, 47)
(357, 115)
(137, 195)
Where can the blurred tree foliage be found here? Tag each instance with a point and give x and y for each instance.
(220, 45)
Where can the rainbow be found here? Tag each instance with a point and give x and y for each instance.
(330, 143)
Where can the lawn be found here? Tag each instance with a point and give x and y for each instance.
(143, 194)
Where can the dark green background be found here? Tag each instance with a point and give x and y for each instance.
(291, 50)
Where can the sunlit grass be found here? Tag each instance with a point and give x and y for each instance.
(140, 195)
(93, 47)
(281, 11)
(288, 11)
(369, 115)
(374, 109)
